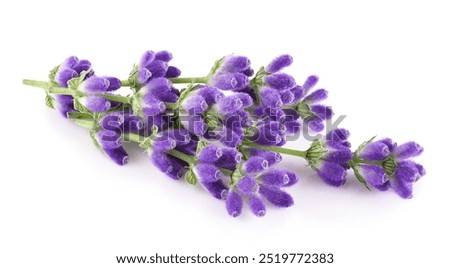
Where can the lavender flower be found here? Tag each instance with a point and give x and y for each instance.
(68, 69)
(109, 137)
(330, 157)
(383, 165)
(232, 73)
(154, 65)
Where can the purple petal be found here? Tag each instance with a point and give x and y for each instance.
(64, 104)
(195, 104)
(158, 68)
(171, 166)
(208, 172)
(374, 175)
(256, 164)
(293, 127)
(287, 97)
(293, 178)
(229, 158)
(332, 173)
(229, 104)
(172, 72)
(229, 81)
(143, 75)
(315, 124)
(210, 94)
(402, 188)
(339, 135)
(271, 157)
(407, 150)
(310, 82)
(316, 96)
(375, 151)
(194, 124)
(94, 84)
(235, 64)
(231, 137)
(407, 171)
(276, 196)
(234, 204)
(280, 81)
(298, 93)
(279, 63)
(118, 155)
(95, 104)
(114, 83)
(109, 139)
(112, 121)
(69, 62)
(63, 76)
(216, 189)
(82, 66)
(152, 106)
(163, 144)
(209, 154)
(257, 205)
(270, 98)
(247, 185)
(146, 58)
(163, 55)
(324, 112)
(275, 177)
(338, 153)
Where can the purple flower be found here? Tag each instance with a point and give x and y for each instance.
(68, 69)
(330, 157)
(152, 97)
(154, 65)
(110, 139)
(279, 63)
(383, 165)
(232, 74)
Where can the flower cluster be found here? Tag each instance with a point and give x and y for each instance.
(225, 131)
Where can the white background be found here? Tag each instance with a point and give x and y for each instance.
(63, 204)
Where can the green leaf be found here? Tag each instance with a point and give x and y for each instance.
(304, 111)
(363, 145)
(80, 107)
(78, 115)
(358, 175)
(185, 92)
(245, 152)
(92, 134)
(76, 81)
(236, 176)
(52, 76)
(132, 77)
(50, 101)
(190, 177)
(216, 67)
(200, 146)
(146, 144)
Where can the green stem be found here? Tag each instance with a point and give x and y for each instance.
(171, 105)
(186, 158)
(34, 83)
(133, 137)
(189, 80)
(89, 124)
(280, 150)
(358, 160)
(125, 83)
(116, 98)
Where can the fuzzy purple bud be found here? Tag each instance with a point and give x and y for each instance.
(147, 58)
(216, 189)
(293, 179)
(109, 139)
(257, 205)
(63, 76)
(118, 155)
(234, 204)
(229, 81)
(163, 55)
(173, 72)
(407, 150)
(229, 158)
(374, 175)
(279, 63)
(375, 151)
(195, 104)
(209, 154)
(331, 173)
(256, 164)
(208, 172)
(270, 98)
(276, 196)
(210, 94)
(95, 103)
(247, 185)
(280, 81)
(275, 178)
(158, 68)
(230, 104)
(235, 64)
(316, 96)
(324, 112)
(310, 82)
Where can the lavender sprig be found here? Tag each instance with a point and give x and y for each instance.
(226, 130)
